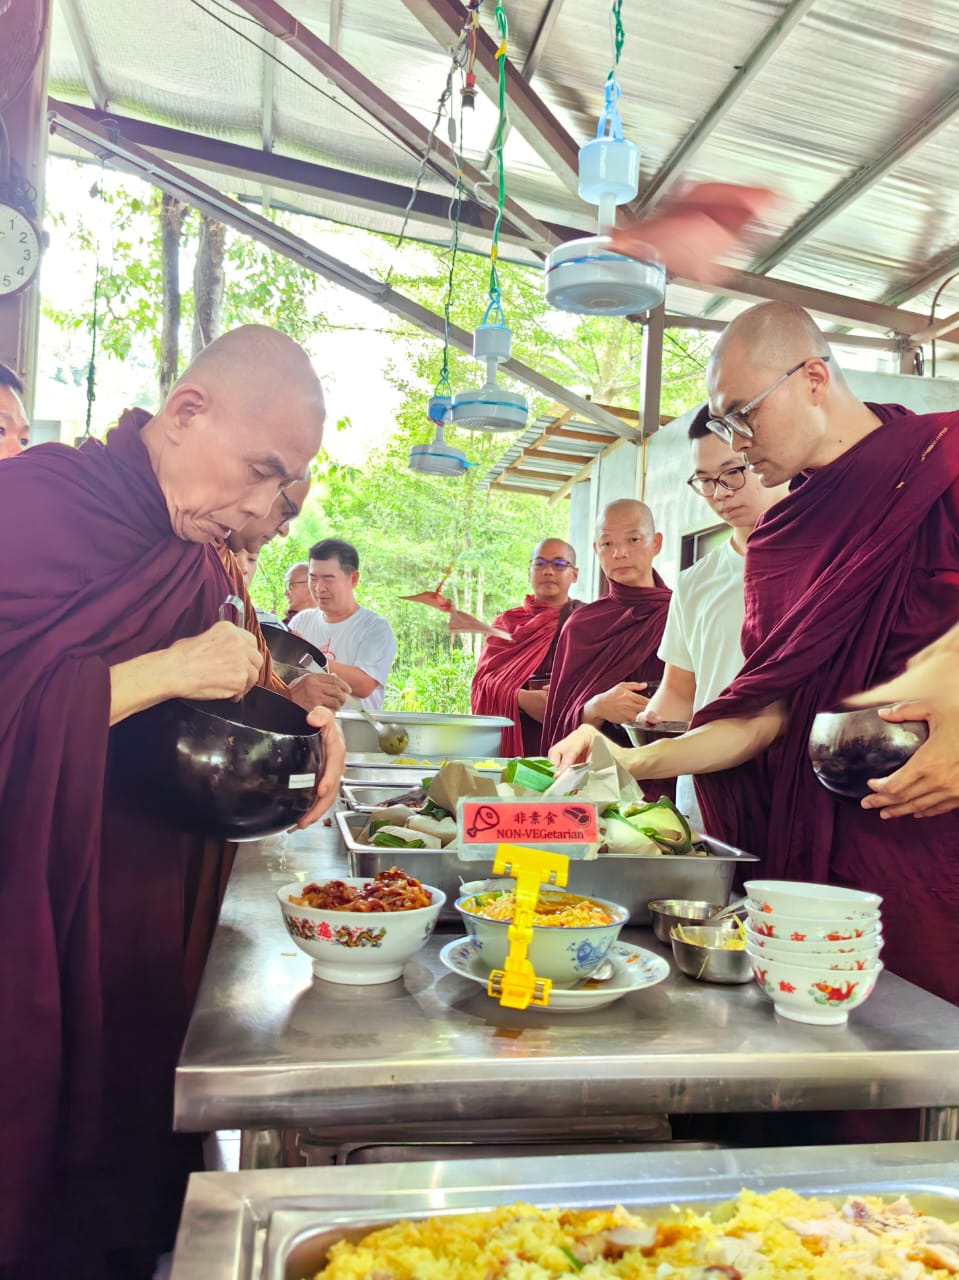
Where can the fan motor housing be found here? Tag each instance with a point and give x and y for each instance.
(586, 277)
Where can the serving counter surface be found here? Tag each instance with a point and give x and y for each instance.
(271, 1048)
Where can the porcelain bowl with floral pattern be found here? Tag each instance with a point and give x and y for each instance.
(808, 929)
(821, 996)
(835, 954)
(358, 948)
(566, 954)
(814, 901)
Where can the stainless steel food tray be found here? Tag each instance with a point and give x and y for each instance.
(364, 797)
(634, 882)
(376, 767)
(279, 1224)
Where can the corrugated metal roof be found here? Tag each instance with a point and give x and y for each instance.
(852, 83)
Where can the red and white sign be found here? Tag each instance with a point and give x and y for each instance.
(553, 822)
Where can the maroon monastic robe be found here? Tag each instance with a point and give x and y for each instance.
(847, 577)
(504, 667)
(105, 916)
(615, 638)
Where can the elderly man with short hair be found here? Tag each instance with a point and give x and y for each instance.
(297, 590)
(512, 676)
(106, 914)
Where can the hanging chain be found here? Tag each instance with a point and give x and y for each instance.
(495, 308)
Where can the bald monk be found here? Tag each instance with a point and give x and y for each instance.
(846, 578)
(608, 649)
(106, 915)
(512, 676)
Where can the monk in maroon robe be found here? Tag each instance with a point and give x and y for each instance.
(105, 915)
(607, 651)
(846, 578)
(512, 676)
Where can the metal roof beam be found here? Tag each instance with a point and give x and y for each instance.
(379, 106)
(98, 139)
(84, 51)
(933, 273)
(531, 118)
(336, 24)
(707, 325)
(537, 46)
(872, 315)
(268, 91)
(756, 60)
(291, 174)
(851, 188)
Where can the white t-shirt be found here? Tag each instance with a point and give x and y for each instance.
(703, 635)
(364, 640)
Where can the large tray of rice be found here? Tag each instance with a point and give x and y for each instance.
(780, 1235)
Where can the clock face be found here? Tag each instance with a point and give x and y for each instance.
(19, 250)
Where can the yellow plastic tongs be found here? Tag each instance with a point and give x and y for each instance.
(516, 986)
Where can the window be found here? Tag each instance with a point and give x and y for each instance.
(696, 545)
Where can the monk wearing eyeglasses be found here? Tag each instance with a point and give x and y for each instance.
(512, 676)
(846, 578)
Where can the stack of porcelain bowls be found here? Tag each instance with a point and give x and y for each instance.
(814, 948)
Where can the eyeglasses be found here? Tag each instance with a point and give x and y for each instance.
(538, 562)
(296, 582)
(730, 425)
(289, 507)
(730, 480)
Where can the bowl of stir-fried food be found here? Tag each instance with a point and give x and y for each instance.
(572, 935)
(358, 931)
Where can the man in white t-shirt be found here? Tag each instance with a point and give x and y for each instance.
(358, 643)
(701, 643)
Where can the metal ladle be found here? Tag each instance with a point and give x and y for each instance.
(392, 738)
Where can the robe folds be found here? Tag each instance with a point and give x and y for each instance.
(846, 578)
(504, 667)
(614, 639)
(105, 915)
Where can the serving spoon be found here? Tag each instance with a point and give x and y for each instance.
(392, 738)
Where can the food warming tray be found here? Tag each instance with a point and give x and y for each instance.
(634, 882)
(279, 1224)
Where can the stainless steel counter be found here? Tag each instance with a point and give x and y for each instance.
(278, 1224)
(271, 1048)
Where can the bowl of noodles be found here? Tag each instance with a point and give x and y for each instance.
(572, 935)
(358, 931)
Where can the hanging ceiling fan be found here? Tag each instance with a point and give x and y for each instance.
(22, 26)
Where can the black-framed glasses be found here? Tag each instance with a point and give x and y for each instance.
(539, 562)
(730, 425)
(731, 480)
(288, 507)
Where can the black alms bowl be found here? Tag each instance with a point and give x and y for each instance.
(286, 650)
(847, 748)
(237, 770)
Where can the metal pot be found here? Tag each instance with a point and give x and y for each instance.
(435, 737)
(237, 770)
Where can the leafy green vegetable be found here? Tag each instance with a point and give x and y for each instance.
(433, 810)
(576, 1264)
(660, 822)
(389, 840)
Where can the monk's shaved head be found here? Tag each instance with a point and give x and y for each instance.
(630, 510)
(774, 336)
(552, 547)
(244, 421)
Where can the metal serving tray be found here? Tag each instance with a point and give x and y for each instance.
(634, 882)
(365, 797)
(279, 1224)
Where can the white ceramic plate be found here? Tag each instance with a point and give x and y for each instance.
(634, 969)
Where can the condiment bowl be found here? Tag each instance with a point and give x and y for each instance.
(237, 770)
(847, 748)
(566, 954)
(801, 929)
(700, 954)
(814, 901)
(358, 948)
(665, 912)
(821, 996)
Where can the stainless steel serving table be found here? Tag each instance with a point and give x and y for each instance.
(271, 1051)
(277, 1224)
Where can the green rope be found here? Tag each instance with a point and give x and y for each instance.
(619, 35)
(495, 293)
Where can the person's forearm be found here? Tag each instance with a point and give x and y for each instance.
(721, 744)
(533, 702)
(361, 684)
(139, 683)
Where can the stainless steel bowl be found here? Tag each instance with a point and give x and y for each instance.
(700, 955)
(435, 737)
(666, 912)
(847, 748)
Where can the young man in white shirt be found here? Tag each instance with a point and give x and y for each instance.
(359, 644)
(701, 643)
